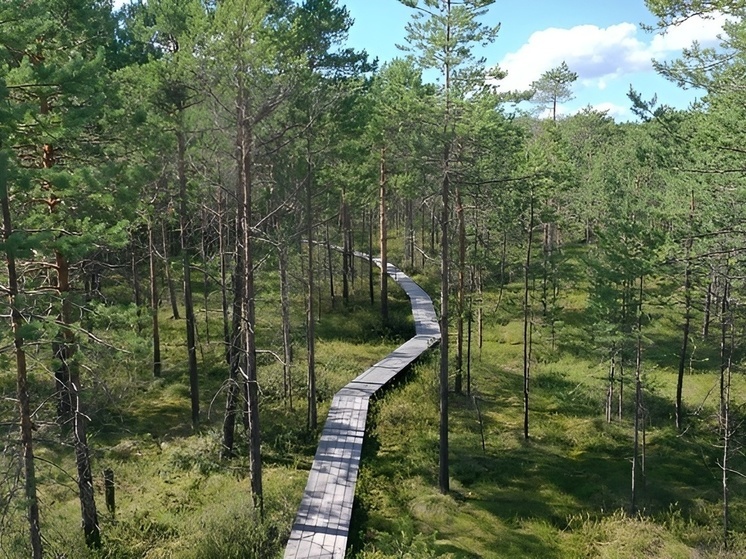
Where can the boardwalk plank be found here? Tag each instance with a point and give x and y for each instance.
(322, 524)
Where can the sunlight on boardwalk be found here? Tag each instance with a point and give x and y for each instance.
(322, 525)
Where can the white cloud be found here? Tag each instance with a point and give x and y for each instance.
(705, 31)
(600, 54)
(617, 112)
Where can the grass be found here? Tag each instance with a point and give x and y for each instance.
(565, 492)
(561, 494)
(175, 497)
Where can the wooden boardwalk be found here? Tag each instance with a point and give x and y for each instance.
(322, 524)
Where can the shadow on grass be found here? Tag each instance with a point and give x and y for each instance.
(574, 463)
(362, 323)
(160, 408)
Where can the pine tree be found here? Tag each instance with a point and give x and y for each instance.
(55, 64)
(440, 36)
(554, 87)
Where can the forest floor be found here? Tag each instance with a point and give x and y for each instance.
(175, 497)
(564, 493)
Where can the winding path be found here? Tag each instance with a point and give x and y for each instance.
(322, 524)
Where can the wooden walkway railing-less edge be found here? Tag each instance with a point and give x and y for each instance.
(322, 524)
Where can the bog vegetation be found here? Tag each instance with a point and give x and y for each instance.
(183, 187)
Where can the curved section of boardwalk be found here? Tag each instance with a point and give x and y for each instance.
(323, 521)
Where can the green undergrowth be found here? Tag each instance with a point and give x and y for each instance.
(561, 494)
(175, 496)
(564, 492)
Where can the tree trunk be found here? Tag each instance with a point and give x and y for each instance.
(725, 425)
(443, 459)
(62, 346)
(83, 464)
(136, 288)
(235, 351)
(312, 417)
(330, 266)
(610, 388)
(724, 305)
(620, 403)
(205, 275)
(371, 282)
(546, 250)
(346, 251)
(223, 249)
(409, 234)
(708, 305)
(154, 304)
(469, 318)
(685, 334)
(169, 278)
(64, 350)
(287, 343)
(726, 464)
(68, 378)
(626, 304)
(22, 389)
(527, 320)
(638, 406)
(444, 481)
(503, 265)
(186, 261)
(422, 235)
(433, 229)
(249, 299)
(461, 216)
(383, 240)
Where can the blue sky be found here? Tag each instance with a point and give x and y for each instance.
(601, 40)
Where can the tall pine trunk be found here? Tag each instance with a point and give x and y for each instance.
(169, 277)
(444, 481)
(312, 416)
(347, 260)
(249, 300)
(638, 469)
(191, 334)
(708, 304)
(287, 342)
(205, 274)
(724, 305)
(223, 249)
(371, 281)
(136, 287)
(685, 335)
(235, 352)
(409, 233)
(726, 357)
(22, 389)
(461, 217)
(330, 265)
(383, 239)
(154, 303)
(443, 476)
(527, 320)
(610, 388)
(65, 349)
